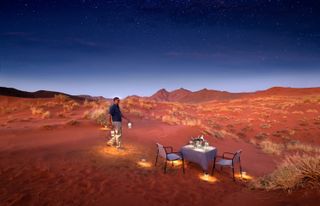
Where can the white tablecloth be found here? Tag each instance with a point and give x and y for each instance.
(202, 156)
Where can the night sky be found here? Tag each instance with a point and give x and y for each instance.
(117, 47)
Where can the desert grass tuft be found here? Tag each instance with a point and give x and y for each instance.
(296, 171)
(271, 148)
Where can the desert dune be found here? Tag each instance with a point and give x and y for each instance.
(53, 150)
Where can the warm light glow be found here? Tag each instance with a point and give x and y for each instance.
(245, 176)
(112, 151)
(104, 128)
(208, 178)
(175, 163)
(144, 163)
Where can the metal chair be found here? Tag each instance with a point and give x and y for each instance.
(229, 159)
(162, 151)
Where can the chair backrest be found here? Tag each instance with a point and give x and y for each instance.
(236, 157)
(162, 152)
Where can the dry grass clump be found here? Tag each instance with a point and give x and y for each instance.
(271, 148)
(49, 126)
(136, 112)
(262, 136)
(50, 104)
(169, 119)
(265, 126)
(86, 115)
(296, 171)
(212, 132)
(61, 115)
(73, 122)
(70, 106)
(191, 121)
(312, 111)
(297, 112)
(99, 115)
(38, 111)
(303, 147)
(46, 115)
(146, 105)
(60, 98)
(90, 104)
(7, 109)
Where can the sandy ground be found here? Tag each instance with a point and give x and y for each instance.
(71, 165)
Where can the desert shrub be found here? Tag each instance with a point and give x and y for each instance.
(170, 119)
(90, 104)
(73, 122)
(265, 126)
(86, 115)
(36, 110)
(136, 112)
(60, 98)
(7, 110)
(237, 109)
(262, 136)
(145, 105)
(271, 148)
(312, 111)
(46, 115)
(86, 103)
(303, 147)
(297, 112)
(99, 115)
(253, 141)
(218, 134)
(61, 115)
(303, 123)
(191, 121)
(296, 171)
(50, 104)
(70, 106)
(49, 126)
(212, 132)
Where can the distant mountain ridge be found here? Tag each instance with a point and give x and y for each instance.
(186, 96)
(6, 91)
(179, 95)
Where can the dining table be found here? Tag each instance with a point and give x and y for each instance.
(201, 155)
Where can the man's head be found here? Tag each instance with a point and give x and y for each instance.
(116, 100)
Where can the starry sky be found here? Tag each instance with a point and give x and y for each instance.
(119, 48)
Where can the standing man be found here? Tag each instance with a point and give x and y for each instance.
(115, 119)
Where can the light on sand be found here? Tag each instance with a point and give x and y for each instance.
(245, 176)
(104, 128)
(208, 178)
(176, 163)
(112, 151)
(144, 163)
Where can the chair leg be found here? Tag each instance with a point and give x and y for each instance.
(234, 179)
(165, 166)
(213, 166)
(183, 166)
(240, 169)
(155, 164)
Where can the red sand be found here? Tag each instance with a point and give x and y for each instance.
(71, 165)
(50, 162)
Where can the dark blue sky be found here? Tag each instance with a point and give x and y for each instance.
(117, 47)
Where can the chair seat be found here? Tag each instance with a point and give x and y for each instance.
(173, 156)
(224, 162)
